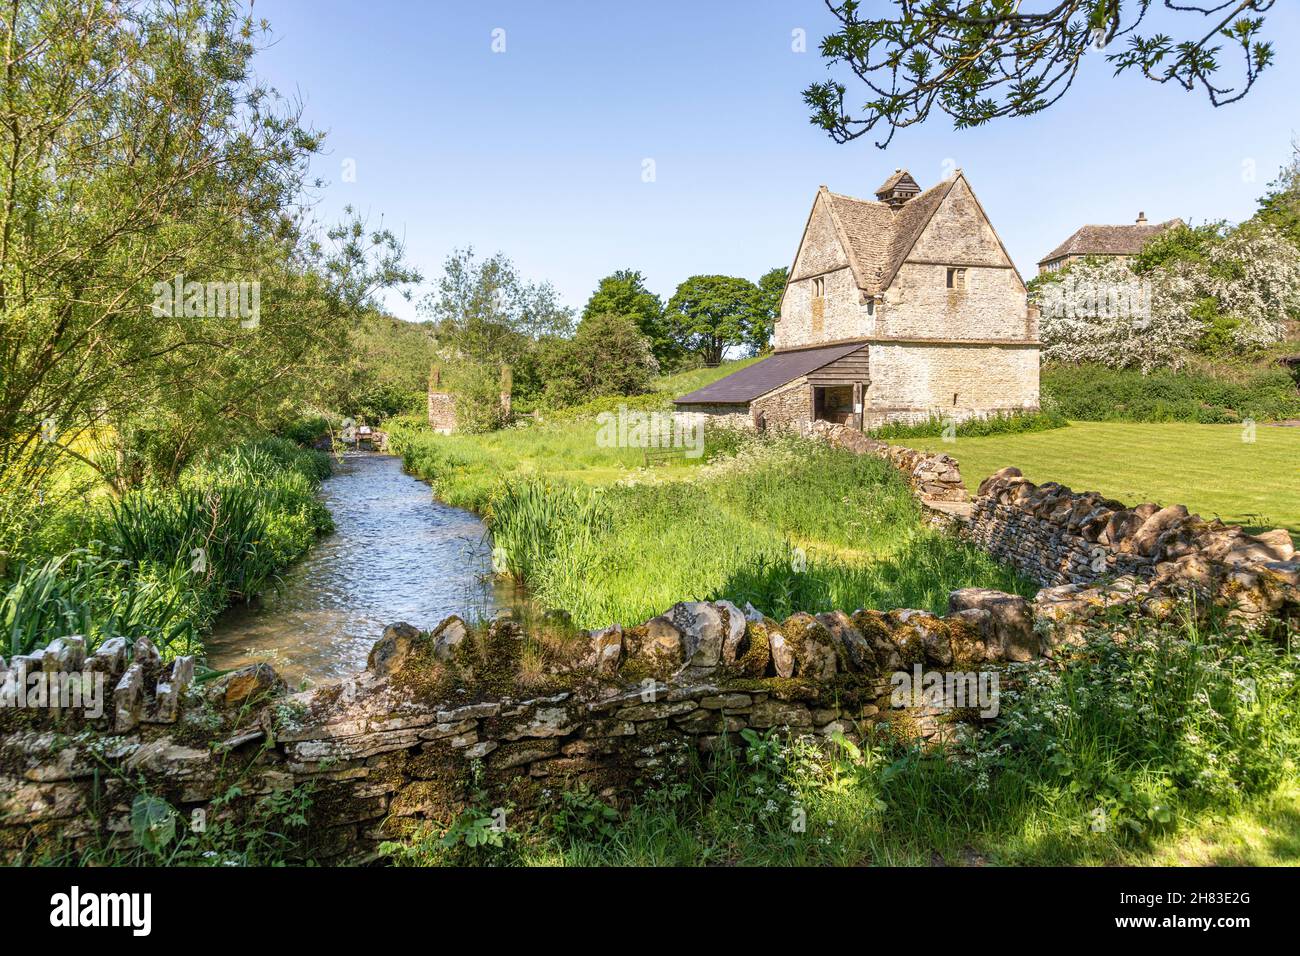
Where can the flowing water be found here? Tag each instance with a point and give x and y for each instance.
(396, 555)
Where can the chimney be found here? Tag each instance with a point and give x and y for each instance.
(1142, 219)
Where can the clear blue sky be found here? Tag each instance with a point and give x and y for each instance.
(538, 151)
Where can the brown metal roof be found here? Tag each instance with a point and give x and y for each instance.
(740, 388)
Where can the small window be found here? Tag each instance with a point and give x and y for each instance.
(956, 278)
(819, 287)
(871, 307)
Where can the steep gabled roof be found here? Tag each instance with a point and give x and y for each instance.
(1109, 240)
(878, 236)
(744, 386)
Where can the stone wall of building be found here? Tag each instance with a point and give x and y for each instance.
(442, 412)
(843, 314)
(993, 305)
(786, 408)
(912, 382)
(725, 416)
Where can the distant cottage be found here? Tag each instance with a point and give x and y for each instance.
(1110, 242)
(896, 310)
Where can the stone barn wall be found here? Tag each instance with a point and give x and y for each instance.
(912, 382)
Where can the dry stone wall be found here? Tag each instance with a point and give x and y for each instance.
(409, 740)
(1057, 536)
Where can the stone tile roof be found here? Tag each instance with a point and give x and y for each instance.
(880, 236)
(1125, 240)
(742, 387)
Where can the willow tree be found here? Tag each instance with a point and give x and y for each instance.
(138, 153)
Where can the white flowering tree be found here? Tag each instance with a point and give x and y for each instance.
(1100, 311)
(1254, 277)
(1236, 291)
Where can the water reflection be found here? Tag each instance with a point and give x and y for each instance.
(397, 555)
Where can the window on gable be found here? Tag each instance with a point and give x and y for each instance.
(819, 287)
(956, 278)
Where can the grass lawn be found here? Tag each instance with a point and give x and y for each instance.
(1206, 467)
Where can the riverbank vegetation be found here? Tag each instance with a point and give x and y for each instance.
(786, 524)
(165, 305)
(163, 562)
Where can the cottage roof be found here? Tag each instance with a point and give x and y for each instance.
(878, 236)
(776, 370)
(1126, 240)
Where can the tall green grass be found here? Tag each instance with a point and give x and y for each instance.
(162, 563)
(98, 596)
(784, 524)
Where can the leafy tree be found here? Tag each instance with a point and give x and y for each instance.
(771, 287)
(981, 59)
(137, 146)
(1196, 289)
(1190, 244)
(484, 313)
(384, 371)
(1280, 206)
(608, 355)
(624, 293)
(1098, 310)
(709, 314)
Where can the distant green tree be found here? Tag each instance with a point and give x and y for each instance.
(1190, 244)
(1280, 206)
(608, 355)
(767, 308)
(485, 314)
(709, 314)
(624, 293)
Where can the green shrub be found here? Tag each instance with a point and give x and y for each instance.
(1096, 393)
(1009, 423)
(304, 431)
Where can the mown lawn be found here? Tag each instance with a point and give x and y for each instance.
(1209, 468)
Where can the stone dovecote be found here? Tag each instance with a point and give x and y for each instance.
(922, 281)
